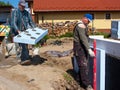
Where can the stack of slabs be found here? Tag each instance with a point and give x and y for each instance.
(30, 36)
(115, 29)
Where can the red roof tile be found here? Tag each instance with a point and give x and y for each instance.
(76, 5)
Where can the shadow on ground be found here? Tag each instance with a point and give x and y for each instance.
(8, 62)
(37, 60)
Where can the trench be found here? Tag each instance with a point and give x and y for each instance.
(112, 77)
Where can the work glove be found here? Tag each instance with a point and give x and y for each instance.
(91, 53)
(18, 31)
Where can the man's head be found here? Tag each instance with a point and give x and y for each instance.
(22, 4)
(87, 18)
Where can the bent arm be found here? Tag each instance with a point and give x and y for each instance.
(14, 20)
(83, 38)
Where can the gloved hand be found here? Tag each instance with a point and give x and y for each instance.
(18, 31)
(91, 53)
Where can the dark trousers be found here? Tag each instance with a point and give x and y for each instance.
(82, 59)
(84, 71)
(21, 49)
(24, 52)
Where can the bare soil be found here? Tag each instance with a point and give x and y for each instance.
(45, 73)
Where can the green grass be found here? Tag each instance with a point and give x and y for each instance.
(67, 77)
(5, 4)
(68, 34)
(106, 35)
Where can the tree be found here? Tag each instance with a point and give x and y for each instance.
(5, 4)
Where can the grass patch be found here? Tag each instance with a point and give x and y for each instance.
(106, 35)
(67, 77)
(5, 4)
(68, 34)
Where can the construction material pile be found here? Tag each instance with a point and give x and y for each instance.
(59, 28)
(4, 30)
(30, 36)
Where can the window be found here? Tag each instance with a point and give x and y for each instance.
(42, 19)
(108, 16)
(93, 16)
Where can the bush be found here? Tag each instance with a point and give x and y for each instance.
(5, 4)
(68, 34)
(106, 35)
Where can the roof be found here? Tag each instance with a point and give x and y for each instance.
(76, 5)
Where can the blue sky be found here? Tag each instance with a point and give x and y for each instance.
(12, 2)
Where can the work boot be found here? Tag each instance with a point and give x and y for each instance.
(89, 87)
(26, 62)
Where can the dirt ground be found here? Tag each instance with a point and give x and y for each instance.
(46, 72)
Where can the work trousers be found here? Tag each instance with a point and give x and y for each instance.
(84, 70)
(24, 52)
(82, 60)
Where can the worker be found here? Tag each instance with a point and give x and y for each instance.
(82, 50)
(21, 20)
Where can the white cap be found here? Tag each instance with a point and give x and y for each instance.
(22, 2)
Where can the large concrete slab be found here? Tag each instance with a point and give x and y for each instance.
(30, 36)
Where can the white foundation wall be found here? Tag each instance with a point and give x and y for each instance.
(104, 48)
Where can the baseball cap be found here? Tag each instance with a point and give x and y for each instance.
(89, 17)
(22, 2)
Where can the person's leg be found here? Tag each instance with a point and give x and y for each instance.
(25, 54)
(84, 71)
(17, 45)
(6, 49)
(18, 50)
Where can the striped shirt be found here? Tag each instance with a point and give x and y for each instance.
(21, 20)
